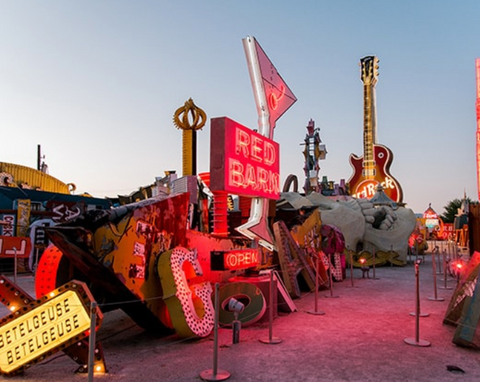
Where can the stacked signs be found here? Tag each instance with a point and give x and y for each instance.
(464, 308)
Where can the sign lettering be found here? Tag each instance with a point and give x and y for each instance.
(243, 162)
(42, 329)
(368, 188)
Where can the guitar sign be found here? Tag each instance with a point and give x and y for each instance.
(373, 168)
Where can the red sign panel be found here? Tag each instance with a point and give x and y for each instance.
(235, 259)
(279, 96)
(15, 245)
(243, 162)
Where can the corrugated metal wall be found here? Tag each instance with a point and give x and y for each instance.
(34, 178)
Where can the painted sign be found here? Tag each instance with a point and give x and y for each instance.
(243, 162)
(11, 246)
(45, 326)
(234, 259)
(65, 211)
(23, 216)
(8, 223)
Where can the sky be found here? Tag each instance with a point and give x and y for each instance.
(96, 84)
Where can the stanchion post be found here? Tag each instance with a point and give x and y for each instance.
(445, 271)
(440, 268)
(417, 305)
(434, 265)
(330, 278)
(271, 340)
(316, 311)
(91, 340)
(351, 266)
(374, 261)
(215, 374)
(417, 341)
(15, 265)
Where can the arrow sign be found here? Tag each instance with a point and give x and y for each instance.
(273, 98)
(272, 95)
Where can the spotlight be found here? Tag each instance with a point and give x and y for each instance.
(235, 306)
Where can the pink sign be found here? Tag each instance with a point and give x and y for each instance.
(243, 162)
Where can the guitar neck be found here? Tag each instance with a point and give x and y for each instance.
(369, 125)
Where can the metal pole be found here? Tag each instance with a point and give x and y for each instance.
(351, 267)
(330, 277)
(440, 268)
(373, 257)
(417, 341)
(271, 340)
(91, 340)
(215, 374)
(15, 265)
(434, 265)
(445, 270)
(316, 312)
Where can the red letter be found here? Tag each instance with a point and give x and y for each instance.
(235, 173)
(256, 148)
(242, 142)
(269, 154)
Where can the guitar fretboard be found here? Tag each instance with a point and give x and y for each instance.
(369, 129)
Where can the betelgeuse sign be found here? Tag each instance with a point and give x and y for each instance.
(45, 326)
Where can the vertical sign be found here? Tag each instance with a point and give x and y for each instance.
(477, 67)
(273, 98)
(23, 216)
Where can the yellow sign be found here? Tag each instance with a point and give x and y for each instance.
(61, 319)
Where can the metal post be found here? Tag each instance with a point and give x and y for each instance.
(15, 265)
(215, 374)
(91, 340)
(417, 341)
(351, 267)
(440, 268)
(236, 326)
(434, 265)
(445, 271)
(373, 258)
(316, 311)
(271, 340)
(330, 278)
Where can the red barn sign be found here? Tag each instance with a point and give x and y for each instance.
(243, 162)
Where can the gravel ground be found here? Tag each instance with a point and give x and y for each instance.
(361, 337)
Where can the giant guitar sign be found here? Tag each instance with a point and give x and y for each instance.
(373, 168)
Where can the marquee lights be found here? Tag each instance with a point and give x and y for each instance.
(48, 325)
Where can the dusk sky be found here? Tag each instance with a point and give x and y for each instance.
(96, 84)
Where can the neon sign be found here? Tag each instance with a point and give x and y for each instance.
(269, 87)
(47, 325)
(243, 162)
(234, 259)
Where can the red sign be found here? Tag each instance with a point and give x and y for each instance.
(234, 259)
(15, 245)
(243, 162)
(278, 95)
